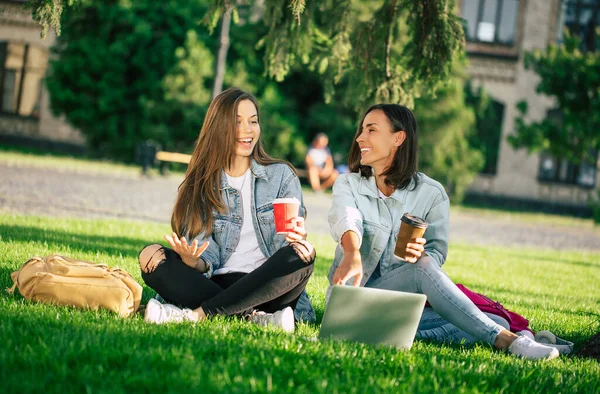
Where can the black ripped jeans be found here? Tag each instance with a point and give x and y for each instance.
(274, 285)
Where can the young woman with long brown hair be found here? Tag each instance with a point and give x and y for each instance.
(236, 264)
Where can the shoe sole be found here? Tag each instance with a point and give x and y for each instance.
(152, 312)
(287, 316)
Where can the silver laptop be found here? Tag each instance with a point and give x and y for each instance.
(372, 316)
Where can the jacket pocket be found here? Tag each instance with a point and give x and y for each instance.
(219, 224)
(265, 214)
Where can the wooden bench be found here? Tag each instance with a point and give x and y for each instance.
(165, 157)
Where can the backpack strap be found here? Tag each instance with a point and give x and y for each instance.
(15, 275)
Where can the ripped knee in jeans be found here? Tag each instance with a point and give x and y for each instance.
(151, 257)
(304, 250)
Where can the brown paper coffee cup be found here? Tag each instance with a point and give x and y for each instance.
(411, 227)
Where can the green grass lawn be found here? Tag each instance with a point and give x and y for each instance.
(57, 349)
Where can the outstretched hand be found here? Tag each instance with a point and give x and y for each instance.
(190, 254)
(351, 266)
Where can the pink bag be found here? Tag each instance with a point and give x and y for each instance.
(517, 322)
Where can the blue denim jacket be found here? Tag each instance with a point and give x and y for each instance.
(268, 183)
(356, 206)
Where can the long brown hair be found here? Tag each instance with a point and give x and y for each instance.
(404, 165)
(199, 193)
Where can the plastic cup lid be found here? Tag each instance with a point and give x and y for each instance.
(414, 221)
(292, 200)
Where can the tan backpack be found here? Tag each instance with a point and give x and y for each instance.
(65, 281)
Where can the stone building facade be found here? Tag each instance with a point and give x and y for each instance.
(24, 101)
(499, 32)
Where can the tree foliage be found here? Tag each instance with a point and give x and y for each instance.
(125, 72)
(48, 13)
(446, 128)
(131, 71)
(488, 125)
(344, 40)
(572, 78)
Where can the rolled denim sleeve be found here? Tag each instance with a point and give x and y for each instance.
(344, 214)
(437, 232)
(211, 255)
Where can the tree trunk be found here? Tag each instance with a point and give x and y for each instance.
(222, 56)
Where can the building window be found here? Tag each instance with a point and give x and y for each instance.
(581, 18)
(489, 118)
(554, 169)
(490, 21)
(557, 169)
(22, 69)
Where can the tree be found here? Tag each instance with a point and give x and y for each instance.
(127, 73)
(446, 127)
(572, 78)
(345, 43)
(488, 125)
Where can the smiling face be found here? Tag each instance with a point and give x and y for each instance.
(248, 128)
(377, 141)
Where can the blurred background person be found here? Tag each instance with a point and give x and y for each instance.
(319, 164)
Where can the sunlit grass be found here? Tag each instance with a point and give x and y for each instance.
(57, 349)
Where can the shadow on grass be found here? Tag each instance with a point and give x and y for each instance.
(233, 356)
(59, 239)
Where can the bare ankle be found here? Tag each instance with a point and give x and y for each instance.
(504, 339)
(198, 314)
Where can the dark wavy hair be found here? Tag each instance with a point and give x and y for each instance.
(404, 165)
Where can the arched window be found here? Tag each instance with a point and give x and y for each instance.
(22, 69)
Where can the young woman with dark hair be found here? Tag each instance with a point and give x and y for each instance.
(365, 218)
(226, 257)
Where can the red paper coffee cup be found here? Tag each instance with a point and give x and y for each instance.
(285, 211)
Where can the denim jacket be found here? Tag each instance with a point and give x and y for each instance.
(268, 183)
(356, 206)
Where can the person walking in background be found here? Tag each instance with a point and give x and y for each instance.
(237, 264)
(319, 164)
(367, 208)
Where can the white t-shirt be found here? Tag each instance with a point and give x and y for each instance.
(319, 156)
(247, 255)
(381, 195)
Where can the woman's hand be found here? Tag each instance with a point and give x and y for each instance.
(414, 249)
(297, 239)
(299, 232)
(351, 266)
(190, 254)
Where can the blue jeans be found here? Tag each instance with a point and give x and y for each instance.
(452, 316)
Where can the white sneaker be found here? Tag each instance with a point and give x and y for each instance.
(526, 348)
(283, 319)
(526, 333)
(549, 339)
(166, 313)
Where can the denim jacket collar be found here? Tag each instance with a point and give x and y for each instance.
(368, 187)
(258, 170)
